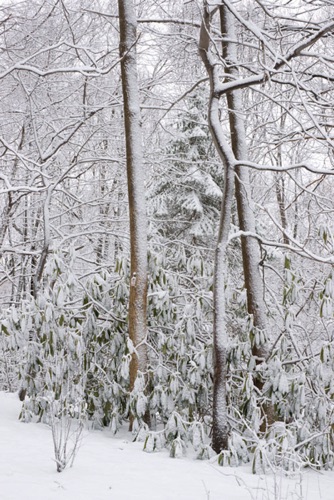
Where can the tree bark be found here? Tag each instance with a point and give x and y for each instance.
(136, 192)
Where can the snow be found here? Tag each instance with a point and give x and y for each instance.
(115, 468)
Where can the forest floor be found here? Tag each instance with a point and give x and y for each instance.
(111, 467)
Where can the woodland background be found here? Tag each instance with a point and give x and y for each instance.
(208, 320)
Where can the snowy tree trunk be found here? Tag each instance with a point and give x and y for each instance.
(46, 244)
(251, 256)
(136, 192)
(280, 191)
(220, 337)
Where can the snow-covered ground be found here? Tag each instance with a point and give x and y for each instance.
(115, 468)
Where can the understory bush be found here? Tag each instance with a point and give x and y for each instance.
(68, 350)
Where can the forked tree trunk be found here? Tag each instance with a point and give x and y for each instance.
(251, 256)
(220, 336)
(232, 152)
(136, 192)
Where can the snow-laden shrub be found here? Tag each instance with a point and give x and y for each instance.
(71, 345)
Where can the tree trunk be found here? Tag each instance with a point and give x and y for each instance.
(136, 192)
